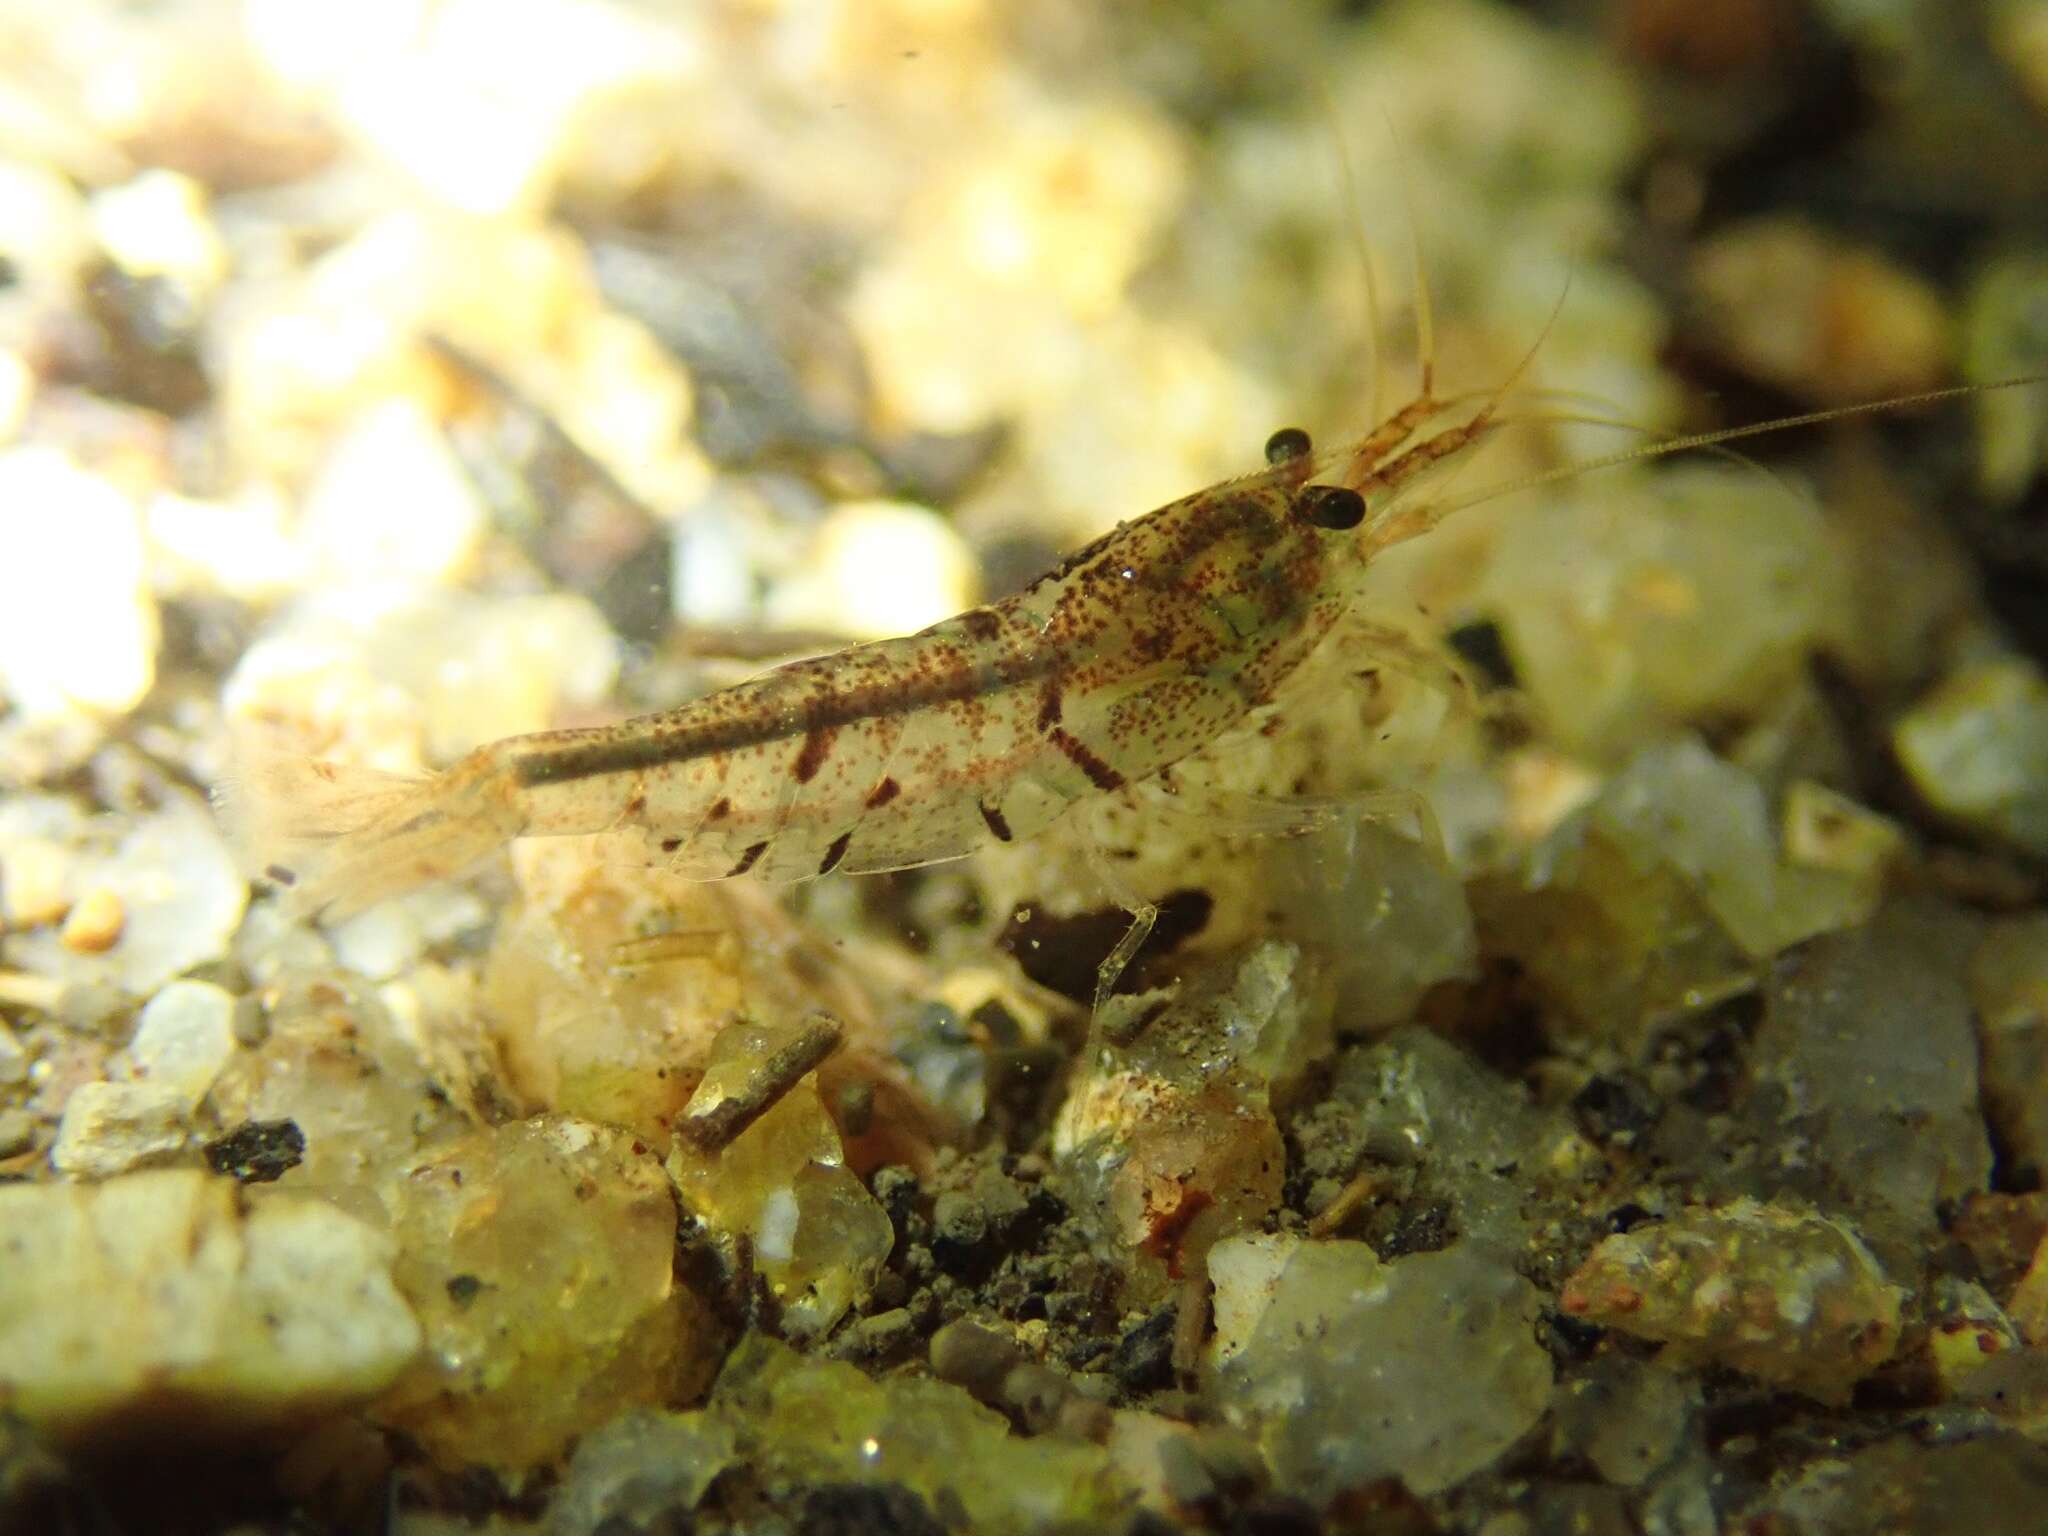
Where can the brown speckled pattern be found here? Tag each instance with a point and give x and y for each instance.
(1134, 652)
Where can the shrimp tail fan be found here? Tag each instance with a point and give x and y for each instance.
(337, 838)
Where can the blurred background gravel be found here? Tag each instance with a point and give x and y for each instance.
(1662, 1154)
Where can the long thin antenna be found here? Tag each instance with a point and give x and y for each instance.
(1695, 440)
(1354, 223)
(1425, 311)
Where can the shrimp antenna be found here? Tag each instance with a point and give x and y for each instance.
(1394, 523)
(1361, 250)
(1528, 359)
(1618, 423)
(1425, 311)
(1696, 440)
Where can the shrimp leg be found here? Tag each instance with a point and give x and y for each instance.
(1143, 915)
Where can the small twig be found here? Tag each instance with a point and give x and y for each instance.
(711, 1126)
(1364, 1187)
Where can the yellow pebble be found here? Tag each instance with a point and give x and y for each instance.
(95, 923)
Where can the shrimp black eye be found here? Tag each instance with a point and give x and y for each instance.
(1330, 506)
(1288, 443)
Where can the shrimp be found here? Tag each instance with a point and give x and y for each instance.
(1136, 651)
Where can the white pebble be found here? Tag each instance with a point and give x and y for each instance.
(35, 880)
(273, 946)
(878, 568)
(1977, 750)
(501, 667)
(131, 1296)
(111, 1128)
(482, 101)
(711, 577)
(1245, 1271)
(242, 546)
(378, 943)
(392, 504)
(317, 1314)
(390, 938)
(39, 836)
(44, 232)
(365, 674)
(181, 899)
(309, 682)
(184, 1038)
(17, 389)
(78, 625)
(158, 226)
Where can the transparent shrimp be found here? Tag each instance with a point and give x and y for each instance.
(1135, 652)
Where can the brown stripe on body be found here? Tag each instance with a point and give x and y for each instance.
(946, 666)
(1050, 705)
(1100, 774)
(997, 823)
(811, 756)
(835, 853)
(617, 751)
(748, 859)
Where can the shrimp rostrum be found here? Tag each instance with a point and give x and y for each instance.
(1136, 651)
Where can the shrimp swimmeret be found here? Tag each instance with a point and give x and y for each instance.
(1134, 653)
